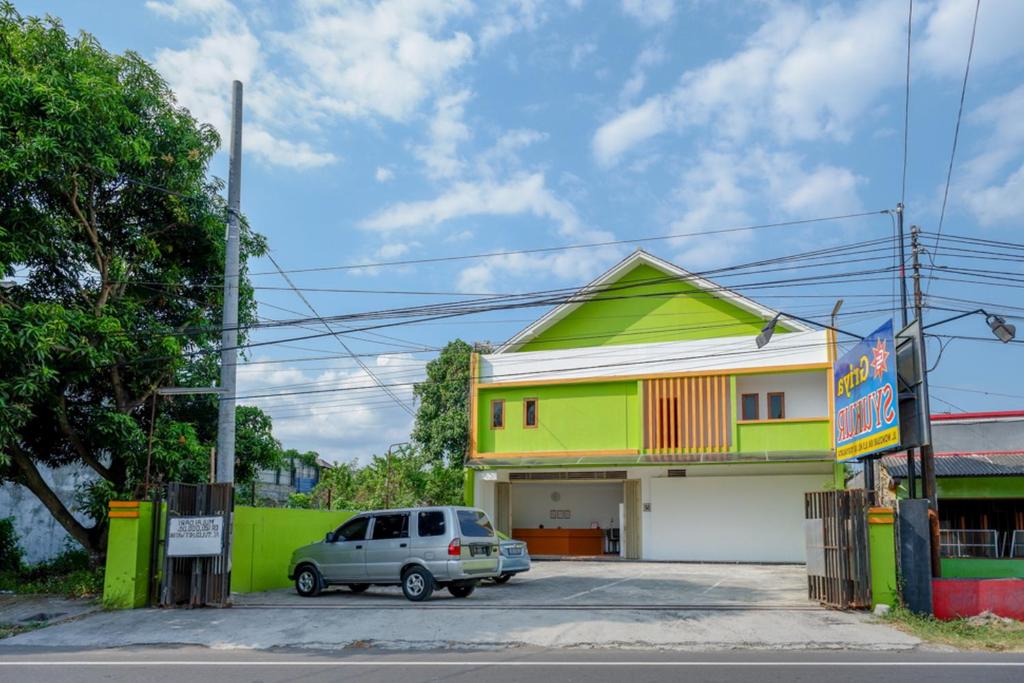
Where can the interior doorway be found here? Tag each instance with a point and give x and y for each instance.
(556, 518)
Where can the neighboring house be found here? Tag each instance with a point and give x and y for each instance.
(979, 471)
(643, 410)
(273, 486)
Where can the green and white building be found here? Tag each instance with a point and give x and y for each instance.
(643, 405)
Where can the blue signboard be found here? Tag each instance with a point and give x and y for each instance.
(867, 415)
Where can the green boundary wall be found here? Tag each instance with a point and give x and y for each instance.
(265, 538)
(980, 568)
(882, 553)
(262, 545)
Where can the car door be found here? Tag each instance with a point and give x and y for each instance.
(387, 547)
(345, 554)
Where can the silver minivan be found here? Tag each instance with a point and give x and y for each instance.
(419, 548)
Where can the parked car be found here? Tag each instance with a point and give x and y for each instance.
(515, 559)
(420, 549)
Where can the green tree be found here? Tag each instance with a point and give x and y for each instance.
(113, 232)
(441, 430)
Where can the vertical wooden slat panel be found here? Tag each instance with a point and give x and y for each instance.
(679, 413)
(684, 406)
(726, 413)
(694, 401)
(713, 414)
(659, 421)
(673, 407)
(703, 414)
(648, 417)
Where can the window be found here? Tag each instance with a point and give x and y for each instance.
(776, 406)
(475, 524)
(352, 530)
(750, 408)
(529, 412)
(430, 523)
(390, 526)
(498, 414)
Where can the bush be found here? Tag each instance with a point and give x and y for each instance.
(68, 574)
(11, 554)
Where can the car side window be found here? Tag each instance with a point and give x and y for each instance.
(430, 523)
(352, 530)
(390, 526)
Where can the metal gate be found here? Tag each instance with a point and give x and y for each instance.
(838, 569)
(198, 581)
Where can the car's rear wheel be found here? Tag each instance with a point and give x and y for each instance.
(462, 590)
(502, 578)
(417, 584)
(358, 587)
(308, 582)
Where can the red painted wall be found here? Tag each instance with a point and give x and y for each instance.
(952, 598)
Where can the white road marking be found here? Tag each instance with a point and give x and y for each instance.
(534, 664)
(711, 588)
(602, 587)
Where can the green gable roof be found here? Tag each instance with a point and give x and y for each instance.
(643, 300)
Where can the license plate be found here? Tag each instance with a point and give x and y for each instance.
(477, 550)
(515, 551)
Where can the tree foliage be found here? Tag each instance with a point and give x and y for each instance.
(112, 232)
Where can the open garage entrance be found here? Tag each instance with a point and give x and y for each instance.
(558, 516)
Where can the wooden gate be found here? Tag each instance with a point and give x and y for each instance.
(838, 568)
(198, 581)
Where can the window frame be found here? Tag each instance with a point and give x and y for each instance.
(403, 532)
(782, 406)
(757, 406)
(490, 419)
(419, 523)
(536, 413)
(366, 530)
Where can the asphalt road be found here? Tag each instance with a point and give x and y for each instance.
(38, 665)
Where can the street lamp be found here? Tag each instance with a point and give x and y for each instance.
(1004, 331)
(769, 329)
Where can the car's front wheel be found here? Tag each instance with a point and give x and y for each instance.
(308, 583)
(502, 578)
(462, 590)
(417, 584)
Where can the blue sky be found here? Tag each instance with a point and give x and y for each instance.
(397, 130)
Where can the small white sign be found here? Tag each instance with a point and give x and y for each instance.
(195, 536)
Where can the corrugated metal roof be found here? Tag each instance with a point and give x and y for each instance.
(1009, 464)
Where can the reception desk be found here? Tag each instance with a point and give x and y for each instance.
(562, 541)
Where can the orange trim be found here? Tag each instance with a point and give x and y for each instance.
(786, 420)
(123, 514)
(542, 454)
(768, 369)
(474, 419)
(124, 504)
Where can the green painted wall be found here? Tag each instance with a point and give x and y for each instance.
(882, 550)
(783, 436)
(967, 568)
(126, 577)
(265, 538)
(468, 487)
(571, 417)
(981, 487)
(649, 316)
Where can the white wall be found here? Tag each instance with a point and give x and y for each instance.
(587, 503)
(746, 519)
(39, 534)
(806, 393)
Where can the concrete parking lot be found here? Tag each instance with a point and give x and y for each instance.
(566, 584)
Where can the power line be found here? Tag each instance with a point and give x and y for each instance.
(906, 107)
(956, 129)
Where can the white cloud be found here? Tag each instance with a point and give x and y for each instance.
(990, 183)
(1000, 202)
(649, 12)
(356, 421)
(630, 129)
(447, 130)
(522, 194)
(383, 174)
(509, 17)
(947, 34)
(580, 52)
(728, 188)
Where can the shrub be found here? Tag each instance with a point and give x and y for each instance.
(11, 554)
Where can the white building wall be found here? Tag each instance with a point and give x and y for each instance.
(39, 534)
(587, 503)
(806, 393)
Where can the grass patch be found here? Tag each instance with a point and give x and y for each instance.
(972, 633)
(68, 575)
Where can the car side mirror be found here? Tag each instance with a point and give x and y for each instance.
(329, 538)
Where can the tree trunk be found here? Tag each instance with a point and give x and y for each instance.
(90, 538)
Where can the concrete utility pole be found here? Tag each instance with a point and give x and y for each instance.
(229, 333)
(928, 485)
(911, 474)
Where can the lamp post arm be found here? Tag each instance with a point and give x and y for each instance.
(955, 317)
(819, 324)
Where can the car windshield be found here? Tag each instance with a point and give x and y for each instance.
(474, 524)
